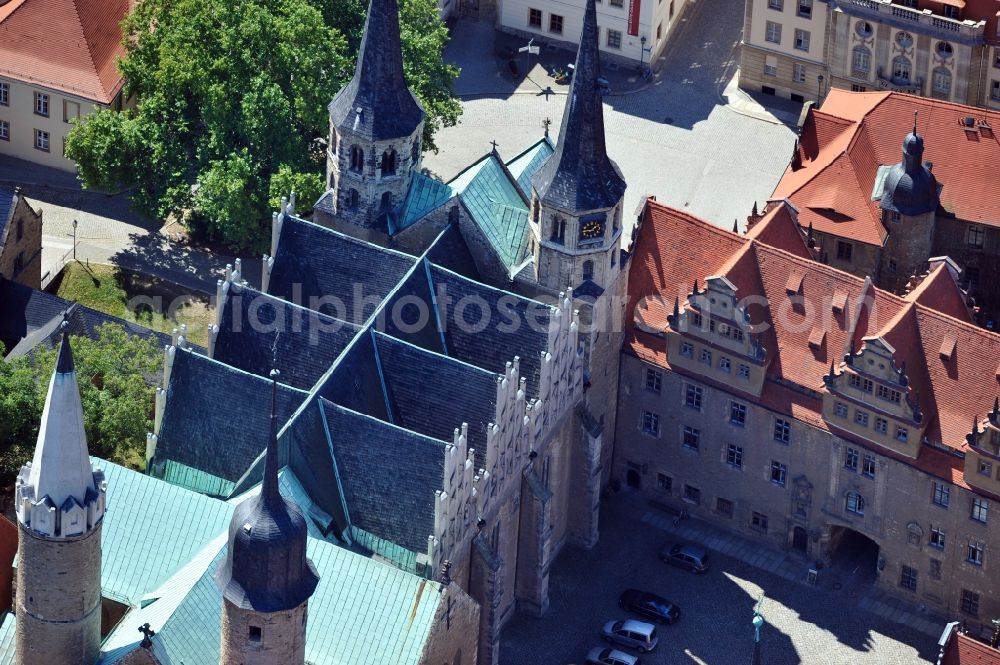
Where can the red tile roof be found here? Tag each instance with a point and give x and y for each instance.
(673, 249)
(843, 144)
(67, 45)
(964, 650)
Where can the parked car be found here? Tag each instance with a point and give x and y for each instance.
(600, 656)
(688, 557)
(649, 605)
(631, 633)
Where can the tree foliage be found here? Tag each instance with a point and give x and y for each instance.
(116, 373)
(231, 100)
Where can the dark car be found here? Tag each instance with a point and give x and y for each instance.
(649, 605)
(688, 557)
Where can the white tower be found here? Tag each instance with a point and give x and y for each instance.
(60, 503)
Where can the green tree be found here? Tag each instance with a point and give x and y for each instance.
(116, 373)
(231, 100)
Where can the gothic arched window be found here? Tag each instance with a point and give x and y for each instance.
(357, 159)
(415, 151)
(558, 229)
(588, 270)
(389, 162)
(386, 201)
(353, 199)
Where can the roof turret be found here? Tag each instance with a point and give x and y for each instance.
(266, 569)
(580, 176)
(377, 104)
(911, 188)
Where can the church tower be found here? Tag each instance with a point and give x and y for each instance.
(376, 124)
(576, 206)
(266, 579)
(909, 205)
(60, 502)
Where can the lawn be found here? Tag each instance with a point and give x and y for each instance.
(135, 297)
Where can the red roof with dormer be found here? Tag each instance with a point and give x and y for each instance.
(66, 45)
(814, 315)
(964, 650)
(832, 178)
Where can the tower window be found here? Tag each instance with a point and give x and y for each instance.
(415, 151)
(558, 230)
(353, 199)
(386, 201)
(588, 270)
(255, 633)
(357, 159)
(389, 163)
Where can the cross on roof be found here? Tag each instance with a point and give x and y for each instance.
(147, 633)
(546, 124)
(494, 144)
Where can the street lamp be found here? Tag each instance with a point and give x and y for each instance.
(819, 88)
(74, 239)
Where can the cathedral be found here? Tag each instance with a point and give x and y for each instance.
(410, 416)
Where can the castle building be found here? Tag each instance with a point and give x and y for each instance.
(882, 198)
(448, 380)
(60, 500)
(20, 240)
(805, 408)
(801, 49)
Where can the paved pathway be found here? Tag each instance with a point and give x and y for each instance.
(686, 138)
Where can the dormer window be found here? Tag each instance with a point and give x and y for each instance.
(388, 163)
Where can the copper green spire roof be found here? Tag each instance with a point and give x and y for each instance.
(580, 176)
(376, 104)
(266, 569)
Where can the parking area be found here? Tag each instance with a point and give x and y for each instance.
(804, 624)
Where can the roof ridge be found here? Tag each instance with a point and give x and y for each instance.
(544, 139)
(350, 238)
(87, 42)
(325, 403)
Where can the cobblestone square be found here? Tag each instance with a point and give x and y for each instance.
(804, 624)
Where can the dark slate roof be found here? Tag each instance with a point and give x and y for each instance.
(433, 395)
(24, 310)
(6, 207)
(29, 318)
(217, 418)
(910, 187)
(313, 262)
(265, 568)
(588, 289)
(516, 326)
(409, 306)
(449, 250)
(496, 204)
(310, 457)
(388, 109)
(308, 342)
(388, 475)
(580, 176)
(355, 382)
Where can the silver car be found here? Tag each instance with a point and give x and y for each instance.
(600, 656)
(631, 633)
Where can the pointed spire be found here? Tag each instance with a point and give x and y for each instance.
(579, 176)
(736, 226)
(269, 486)
(377, 104)
(695, 290)
(915, 122)
(60, 474)
(810, 240)
(996, 410)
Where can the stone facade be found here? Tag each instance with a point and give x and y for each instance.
(262, 638)
(453, 638)
(808, 510)
(868, 45)
(58, 598)
(21, 244)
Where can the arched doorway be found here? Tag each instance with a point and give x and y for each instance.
(853, 553)
(633, 479)
(800, 540)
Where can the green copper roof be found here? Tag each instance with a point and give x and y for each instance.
(196, 480)
(492, 198)
(425, 195)
(151, 529)
(363, 611)
(524, 165)
(7, 638)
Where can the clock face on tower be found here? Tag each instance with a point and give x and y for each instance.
(592, 228)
